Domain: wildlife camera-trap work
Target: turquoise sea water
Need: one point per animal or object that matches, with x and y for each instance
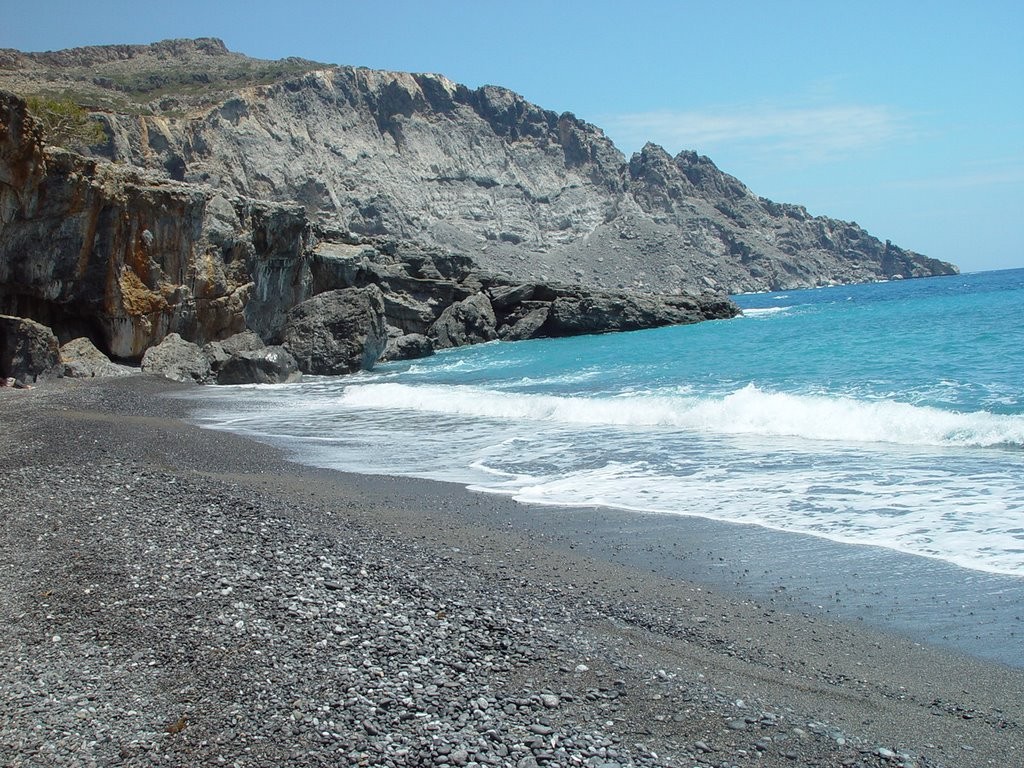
(889, 414)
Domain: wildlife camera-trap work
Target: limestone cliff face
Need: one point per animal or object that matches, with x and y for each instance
(125, 257)
(522, 191)
(732, 237)
(231, 190)
(414, 157)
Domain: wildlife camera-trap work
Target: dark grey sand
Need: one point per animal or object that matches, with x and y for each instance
(170, 596)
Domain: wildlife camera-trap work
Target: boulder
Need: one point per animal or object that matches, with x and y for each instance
(219, 352)
(177, 359)
(409, 313)
(269, 365)
(503, 296)
(526, 322)
(246, 341)
(409, 346)
(81, 360)
(28, 350)
(338, 331)
(470, 321)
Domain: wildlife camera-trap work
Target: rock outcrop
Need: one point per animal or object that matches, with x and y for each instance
(239, 359)
(523, 191)
(408, 346)
(268, 365)
(340, 331)
(177, 359)
(80, 359)
(733, 238)
(28, 350)
(220, 352)
(470, 321)
(124, 257)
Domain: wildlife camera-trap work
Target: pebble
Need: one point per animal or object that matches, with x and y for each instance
(267, 634)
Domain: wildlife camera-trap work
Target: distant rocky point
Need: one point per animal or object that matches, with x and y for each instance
(227, 193)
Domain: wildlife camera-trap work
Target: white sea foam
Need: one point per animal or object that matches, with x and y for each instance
(671, 454)
(761, 311)
(927, 512)
(746, 411)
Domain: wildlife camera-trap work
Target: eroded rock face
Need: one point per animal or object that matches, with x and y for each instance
(526, 193)
(28, 350)
(131, 259)
(336, 332)
(734, 239)
(129, 256)
(473, 214)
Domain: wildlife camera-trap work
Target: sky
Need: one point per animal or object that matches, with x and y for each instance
(904, 116)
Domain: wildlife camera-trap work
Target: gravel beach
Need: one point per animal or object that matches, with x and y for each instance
(180, 597)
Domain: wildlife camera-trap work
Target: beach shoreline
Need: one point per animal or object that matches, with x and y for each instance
(592, 637)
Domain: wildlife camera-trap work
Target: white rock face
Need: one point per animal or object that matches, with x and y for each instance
(523, 191)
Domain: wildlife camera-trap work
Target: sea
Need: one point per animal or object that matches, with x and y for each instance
(888, 415)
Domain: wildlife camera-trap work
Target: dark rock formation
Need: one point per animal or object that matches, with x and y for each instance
(409, 346)
(733, 238)
(239, 359)
(338, 331)
(470, 321)
(219, 352)
(124, 257)
(268, 365)
(597, 313)
(177, 359)
(528, 322)
(81, 360)
(28, 350)
(127, 258)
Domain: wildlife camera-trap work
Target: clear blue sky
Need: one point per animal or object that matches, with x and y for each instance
(905, 116)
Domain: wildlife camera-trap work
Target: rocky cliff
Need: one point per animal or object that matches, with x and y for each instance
(127, 257)
(230, 193)
(522, 191)
(124, 257)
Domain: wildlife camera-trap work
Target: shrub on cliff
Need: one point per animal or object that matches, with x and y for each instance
(65, 123)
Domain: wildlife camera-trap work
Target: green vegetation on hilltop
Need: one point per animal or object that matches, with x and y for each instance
(194, 82)
(143, 83)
